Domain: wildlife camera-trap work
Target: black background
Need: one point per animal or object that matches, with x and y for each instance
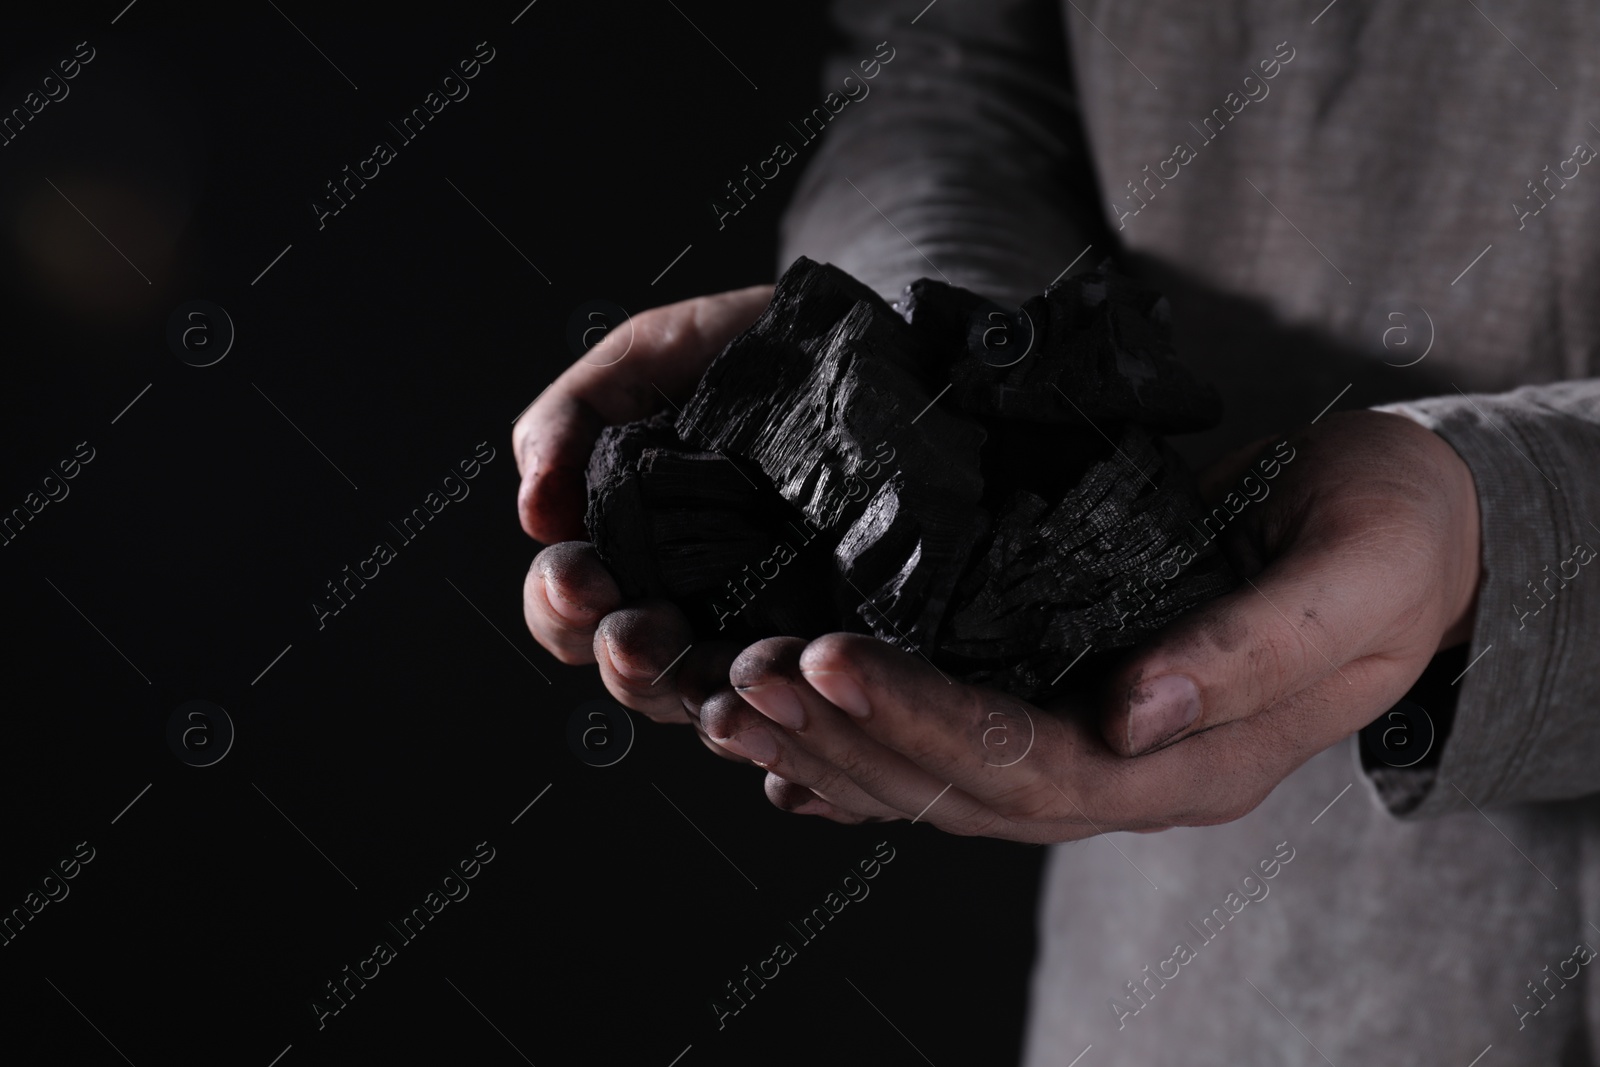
(405, 731)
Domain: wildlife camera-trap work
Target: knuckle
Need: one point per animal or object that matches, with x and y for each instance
(663, 328)
(1022, 803)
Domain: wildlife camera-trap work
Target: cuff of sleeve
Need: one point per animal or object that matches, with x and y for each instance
(1503, 696)
(1402, 784)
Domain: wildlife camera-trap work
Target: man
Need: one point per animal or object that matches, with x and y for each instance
(1365, 204)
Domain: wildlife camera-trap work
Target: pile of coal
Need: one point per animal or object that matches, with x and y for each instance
(981, 486)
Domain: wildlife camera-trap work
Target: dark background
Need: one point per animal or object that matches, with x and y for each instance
(379, 750)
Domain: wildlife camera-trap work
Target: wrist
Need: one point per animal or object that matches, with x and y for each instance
(1464, 536)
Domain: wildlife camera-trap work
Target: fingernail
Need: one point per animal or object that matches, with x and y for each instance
(778, 702)
(841, 691)
(624, 667)
(1159, 709)
(562, 606)
(755, 745)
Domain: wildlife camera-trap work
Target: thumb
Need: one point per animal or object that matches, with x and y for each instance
(662, 352)
(1300, 620)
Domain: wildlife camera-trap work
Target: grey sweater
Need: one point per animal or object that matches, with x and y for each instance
(1393, 198)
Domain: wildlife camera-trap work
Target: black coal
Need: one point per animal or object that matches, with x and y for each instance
(983, 487)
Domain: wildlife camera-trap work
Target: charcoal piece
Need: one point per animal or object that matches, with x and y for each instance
(836, 414)
(848, 465)
(901, 567)
(1093, 349)
(713, 532)
(1104, 560)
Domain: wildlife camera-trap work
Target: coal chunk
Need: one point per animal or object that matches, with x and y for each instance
(982, 486)
(1121, 366)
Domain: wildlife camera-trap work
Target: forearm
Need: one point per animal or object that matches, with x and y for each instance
(965, 160)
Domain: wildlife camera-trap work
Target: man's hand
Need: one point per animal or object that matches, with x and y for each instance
(572, 605)
(1361, 564)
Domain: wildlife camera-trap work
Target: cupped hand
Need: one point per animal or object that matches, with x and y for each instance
(1361, 561)
(570, 601)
